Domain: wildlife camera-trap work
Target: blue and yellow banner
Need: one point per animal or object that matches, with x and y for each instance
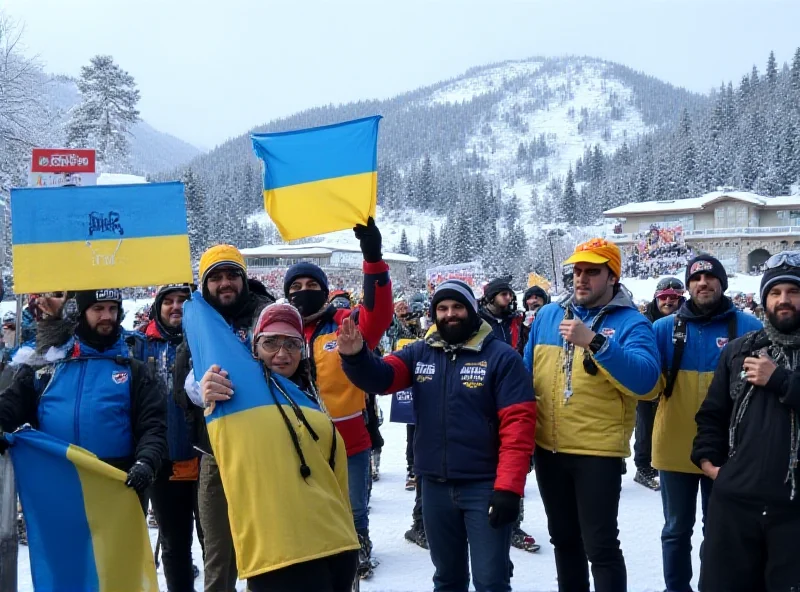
(321, 179)
(277, 517)
(104, 236)
(86, 529)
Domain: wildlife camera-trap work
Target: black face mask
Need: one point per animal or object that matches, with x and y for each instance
(456, 333)
(308, 302)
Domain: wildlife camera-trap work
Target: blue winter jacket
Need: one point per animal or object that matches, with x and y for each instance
(151, 345)
(474, 404)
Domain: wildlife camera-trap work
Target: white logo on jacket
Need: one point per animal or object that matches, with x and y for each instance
(424, 372)
(119, 377)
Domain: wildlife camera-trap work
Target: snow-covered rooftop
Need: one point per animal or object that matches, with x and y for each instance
(321, 249)
(698, 204)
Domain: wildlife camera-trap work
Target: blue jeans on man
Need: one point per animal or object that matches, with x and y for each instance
(679, 499)
(358, 482)
(456, 517)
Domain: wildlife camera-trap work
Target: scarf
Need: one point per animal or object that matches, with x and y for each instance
(784, 350)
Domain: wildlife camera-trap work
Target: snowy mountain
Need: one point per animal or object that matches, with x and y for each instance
(518, 125)
(151, 150)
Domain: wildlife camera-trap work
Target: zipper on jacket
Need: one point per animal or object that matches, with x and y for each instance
(450, 358)
(78, 397)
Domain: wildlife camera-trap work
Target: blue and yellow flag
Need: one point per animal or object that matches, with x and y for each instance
(109, 236)
(277, 517)
(321, 179)
(86, 529)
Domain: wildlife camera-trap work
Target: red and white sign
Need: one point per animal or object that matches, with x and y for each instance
(62, 160)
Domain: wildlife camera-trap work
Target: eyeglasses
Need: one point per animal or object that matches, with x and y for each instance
(272, 345)
(670, 284)
(786, 258)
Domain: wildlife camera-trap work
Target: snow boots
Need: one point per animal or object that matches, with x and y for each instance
(523, 541)
(411, 481)
(647, 478)
(416, 535)
(375, 464)
(366, 563)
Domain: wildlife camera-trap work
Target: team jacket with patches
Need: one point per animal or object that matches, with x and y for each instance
(506, 328)
(475, 408)
(598, 418)
(344, 400)
(148, 345)
(675, 427)
(104, 402)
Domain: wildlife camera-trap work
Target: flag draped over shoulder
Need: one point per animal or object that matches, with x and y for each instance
(86, 529)
(114, 236)
(321, 179)
(277, 518)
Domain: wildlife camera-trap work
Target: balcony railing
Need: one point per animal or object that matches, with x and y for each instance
(717, 232)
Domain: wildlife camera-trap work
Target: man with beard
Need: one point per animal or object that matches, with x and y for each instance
(667, 300)
(305, 285)
(498, 307)
(593, 357)
(97, 397)
(533, 299)
(748, 436)
(225, 286)
(689, 343)
(174, 492)
(476, 418)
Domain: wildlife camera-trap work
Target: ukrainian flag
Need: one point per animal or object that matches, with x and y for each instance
(115, 236)
(277, 517)
(86, 529)
(321, 179)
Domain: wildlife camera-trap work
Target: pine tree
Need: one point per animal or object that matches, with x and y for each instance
(795, 77)
(196, 219)
(772, 70)
(431, 250)
(569, 201)
(403, 247)
(419, 249)
(106, 113)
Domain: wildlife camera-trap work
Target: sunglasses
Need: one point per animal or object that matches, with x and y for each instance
(670, 284)
(668, 298)
(272, 345)
(786, 258)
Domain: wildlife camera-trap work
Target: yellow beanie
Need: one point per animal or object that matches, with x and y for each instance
(220, 255)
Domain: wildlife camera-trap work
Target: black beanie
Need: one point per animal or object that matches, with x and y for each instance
(86, 298)
(460, 292)
(535, 291)
(710, 265)
(778, 275)
(496, 286)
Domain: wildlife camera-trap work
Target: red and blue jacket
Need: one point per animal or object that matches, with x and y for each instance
(475, 407)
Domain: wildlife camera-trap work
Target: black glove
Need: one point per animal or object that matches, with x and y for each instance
(3, 443)
(140, 477)
(503, 508)
(370, 238)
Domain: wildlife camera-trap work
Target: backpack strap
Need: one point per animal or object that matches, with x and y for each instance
(679, 344)
(732, 327)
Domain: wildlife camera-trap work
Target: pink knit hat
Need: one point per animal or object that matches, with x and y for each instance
(278, 319)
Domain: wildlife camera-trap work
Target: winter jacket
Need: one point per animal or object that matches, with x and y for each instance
(242, 326)
(598, 418)
(475, 408)
(345, 401)
(102, 401)
(151, 347)
(506, 328)
(757, 472)
(674, 427)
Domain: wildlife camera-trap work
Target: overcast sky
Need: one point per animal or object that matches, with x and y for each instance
(211, 69)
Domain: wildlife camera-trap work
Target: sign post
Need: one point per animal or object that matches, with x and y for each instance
(55, 167)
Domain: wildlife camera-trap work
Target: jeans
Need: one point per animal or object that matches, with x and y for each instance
(581, 499)
(174, 505)
(220, 558)
(359, 480)
(679, 498)
(456, 523)
(643, 443)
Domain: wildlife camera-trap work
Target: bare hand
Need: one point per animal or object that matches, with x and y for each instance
(576, 332)
(709, 469)
(51, 306)
(350, 340)
(215, 385)
(758, 370)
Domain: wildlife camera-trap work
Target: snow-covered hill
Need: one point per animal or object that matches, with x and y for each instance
(151, 150)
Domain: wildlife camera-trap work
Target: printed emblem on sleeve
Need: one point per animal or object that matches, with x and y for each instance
(119, 377)
(424, 372)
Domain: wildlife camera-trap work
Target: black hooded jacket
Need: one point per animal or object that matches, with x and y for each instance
(757, 472)
(242, 323)
(525, 330)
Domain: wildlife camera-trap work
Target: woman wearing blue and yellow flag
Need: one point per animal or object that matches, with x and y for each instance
(287, 495)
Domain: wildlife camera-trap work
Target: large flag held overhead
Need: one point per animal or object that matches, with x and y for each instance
(104, 236)
(321, 179)
(86, 529)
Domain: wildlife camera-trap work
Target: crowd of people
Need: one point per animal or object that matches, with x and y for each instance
(659, 251)
(492, 393)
